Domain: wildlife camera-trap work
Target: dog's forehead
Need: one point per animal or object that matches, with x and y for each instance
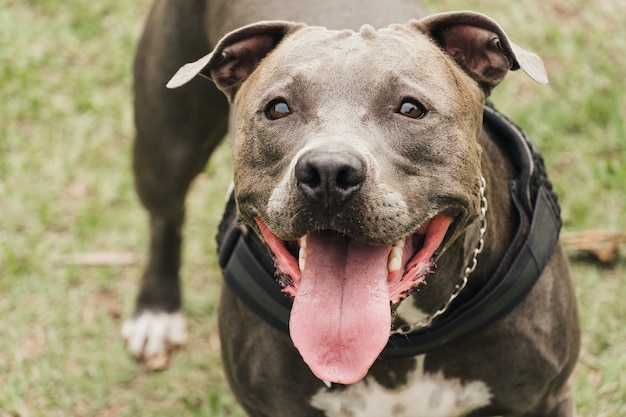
(357, 65)
(357, 61)
(316, 43)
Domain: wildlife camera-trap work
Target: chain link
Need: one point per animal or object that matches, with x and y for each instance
(425, 322)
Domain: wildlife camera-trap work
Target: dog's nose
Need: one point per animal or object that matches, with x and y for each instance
(329, 178)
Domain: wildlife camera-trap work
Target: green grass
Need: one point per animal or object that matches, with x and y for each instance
(66, 189)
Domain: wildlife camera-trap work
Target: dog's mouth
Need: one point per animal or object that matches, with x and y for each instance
(343, 289)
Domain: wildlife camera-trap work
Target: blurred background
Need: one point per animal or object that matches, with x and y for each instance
(73, 237)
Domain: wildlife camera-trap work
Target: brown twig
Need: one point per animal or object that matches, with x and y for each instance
(101, 259)
(600, 244)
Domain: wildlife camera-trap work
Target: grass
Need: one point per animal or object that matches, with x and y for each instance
(66, 189)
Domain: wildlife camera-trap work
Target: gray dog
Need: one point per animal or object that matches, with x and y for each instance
(391, 245)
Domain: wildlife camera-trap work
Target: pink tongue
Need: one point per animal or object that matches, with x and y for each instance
(341, 317)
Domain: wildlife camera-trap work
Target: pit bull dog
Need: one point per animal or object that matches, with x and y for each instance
(391, 245)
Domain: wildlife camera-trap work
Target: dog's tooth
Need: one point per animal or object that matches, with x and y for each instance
(395, 259)
(302, 257)
(399, 243)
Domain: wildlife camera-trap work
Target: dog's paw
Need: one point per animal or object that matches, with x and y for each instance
(152, 336)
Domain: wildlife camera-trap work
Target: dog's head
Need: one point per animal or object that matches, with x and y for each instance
(356, 158)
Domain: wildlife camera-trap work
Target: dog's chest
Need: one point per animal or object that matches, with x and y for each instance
(425, 394)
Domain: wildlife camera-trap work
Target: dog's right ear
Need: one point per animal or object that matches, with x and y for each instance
(236, 56)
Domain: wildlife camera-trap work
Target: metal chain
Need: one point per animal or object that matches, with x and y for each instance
(425, 322)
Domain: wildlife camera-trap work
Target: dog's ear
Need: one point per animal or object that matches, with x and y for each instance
(236, 56)
(480, 46)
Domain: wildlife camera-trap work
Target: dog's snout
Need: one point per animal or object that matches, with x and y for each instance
(329, 178)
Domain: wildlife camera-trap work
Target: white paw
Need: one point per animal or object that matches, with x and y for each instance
(152, 336)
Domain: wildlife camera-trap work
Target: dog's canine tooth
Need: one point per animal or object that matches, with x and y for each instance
(302, 258)
(395, 259)
(302, 253)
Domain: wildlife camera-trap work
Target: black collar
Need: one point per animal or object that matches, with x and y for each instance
(249, 270)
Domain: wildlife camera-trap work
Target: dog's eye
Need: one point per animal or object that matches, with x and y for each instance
(412, 109)
(277, 109)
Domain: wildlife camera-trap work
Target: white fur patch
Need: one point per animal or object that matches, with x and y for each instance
(409, 313)
(424, 395)
(151, 336)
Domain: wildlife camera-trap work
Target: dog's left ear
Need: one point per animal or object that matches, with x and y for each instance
(480, 46)
(236, 56)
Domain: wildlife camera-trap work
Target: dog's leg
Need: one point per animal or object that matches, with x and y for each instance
(177, 130)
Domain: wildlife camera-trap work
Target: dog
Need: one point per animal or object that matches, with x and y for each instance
(391, 244)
